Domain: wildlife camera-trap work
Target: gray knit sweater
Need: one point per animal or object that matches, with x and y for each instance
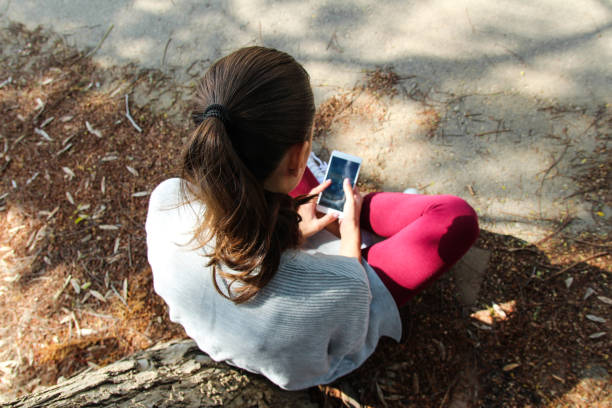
(319, 317)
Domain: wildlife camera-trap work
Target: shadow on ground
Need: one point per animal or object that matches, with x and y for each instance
(472, 43)
(527, 340)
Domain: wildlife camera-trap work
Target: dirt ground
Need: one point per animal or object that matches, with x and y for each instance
(76, 292)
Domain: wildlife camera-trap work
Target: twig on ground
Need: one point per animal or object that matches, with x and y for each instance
(193, 64)
(517, 249)
(594, 122)
(101, 316)
(97, 47)
(556, 162)
(528, 217)
(19, 139)
(40, 107)
(129, 248)
(567, 268)
(555, 232)
(493, 132)
(6, 82)
(381, 396)
(127, 114)
(76, 323)
(59, 292)
(448, 390)
(65, 149)
(333, 43)
(470, 21)
(514, 54)
(580, 241)
(552, 166)
(337, 393)
(7, 162)
(584, 191)
(118, 295)
(471, 190)
(163, 61)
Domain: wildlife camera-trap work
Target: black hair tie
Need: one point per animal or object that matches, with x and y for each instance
(214, 110)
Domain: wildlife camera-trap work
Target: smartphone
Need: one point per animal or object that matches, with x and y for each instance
(341, 166)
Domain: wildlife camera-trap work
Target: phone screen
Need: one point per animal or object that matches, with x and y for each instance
(339, 169)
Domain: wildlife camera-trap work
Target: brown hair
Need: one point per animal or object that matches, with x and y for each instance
(269, 106)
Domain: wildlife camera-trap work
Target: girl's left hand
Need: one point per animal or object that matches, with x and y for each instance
(311, 224)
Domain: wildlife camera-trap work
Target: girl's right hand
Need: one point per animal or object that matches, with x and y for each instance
(350, 234)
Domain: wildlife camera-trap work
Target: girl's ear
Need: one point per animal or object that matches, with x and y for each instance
(297, 157)
(306, 147)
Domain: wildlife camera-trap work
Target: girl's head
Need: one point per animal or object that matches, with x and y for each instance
(242, 161)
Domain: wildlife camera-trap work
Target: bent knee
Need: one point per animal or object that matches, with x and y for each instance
(462, 231)
(461, 215)
(457, 206)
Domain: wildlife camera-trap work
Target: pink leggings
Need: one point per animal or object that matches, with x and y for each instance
(424, 236)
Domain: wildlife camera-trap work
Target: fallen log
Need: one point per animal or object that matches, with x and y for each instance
(173, 374)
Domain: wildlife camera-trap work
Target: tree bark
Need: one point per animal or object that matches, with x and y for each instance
(173, 374)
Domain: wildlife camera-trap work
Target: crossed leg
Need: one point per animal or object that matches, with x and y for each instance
(424, 236)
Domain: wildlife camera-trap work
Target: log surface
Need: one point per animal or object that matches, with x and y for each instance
(173, 374)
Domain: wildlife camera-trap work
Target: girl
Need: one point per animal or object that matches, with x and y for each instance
(245, 263)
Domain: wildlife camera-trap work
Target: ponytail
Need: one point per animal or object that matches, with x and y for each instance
(263, 106)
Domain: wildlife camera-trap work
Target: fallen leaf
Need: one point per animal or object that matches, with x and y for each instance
(75, 285)
(97, 295)
(498, 312)
(588, 293)
(132, 170)
(596, 319)
(141, 194)
(108, 227)
(604, 299)
(511, 366)
(69, 172)
(92, 130)
(86, 332)
(43, 134)
(483, 316)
